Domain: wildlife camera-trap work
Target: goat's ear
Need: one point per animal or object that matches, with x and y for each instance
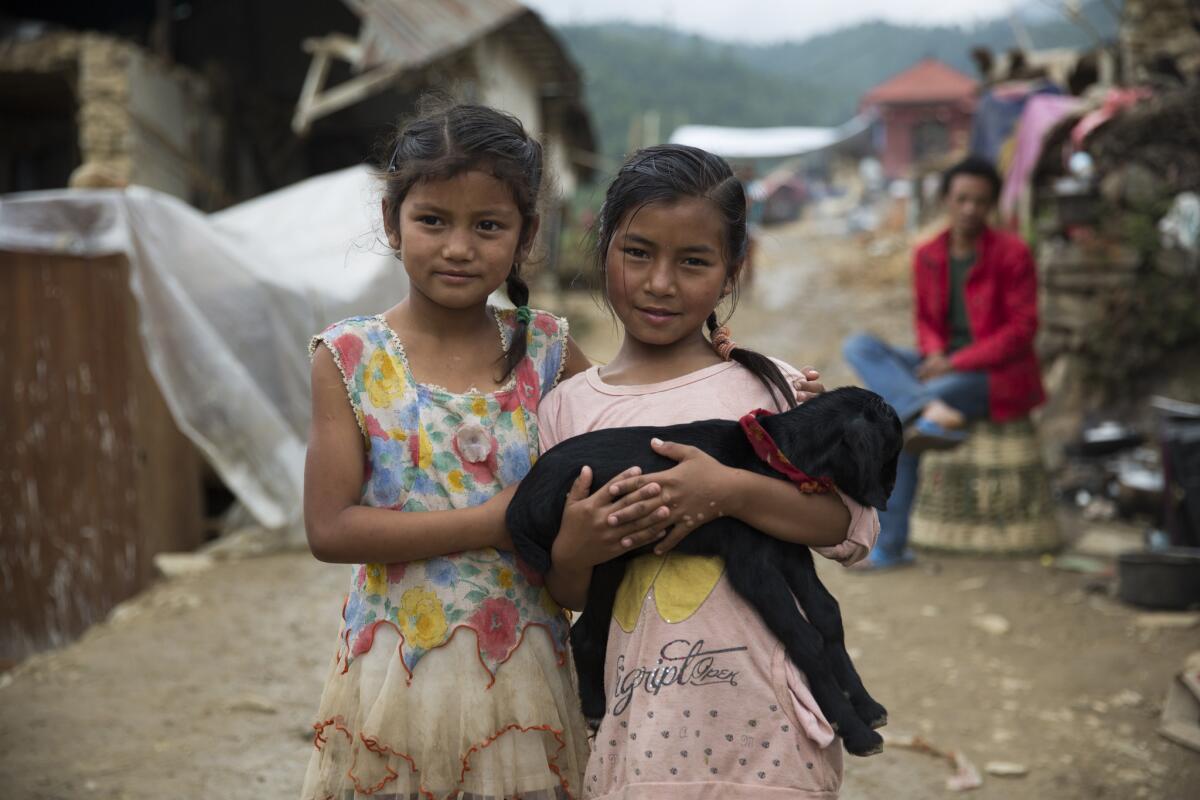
(878, 496)
(864, 450)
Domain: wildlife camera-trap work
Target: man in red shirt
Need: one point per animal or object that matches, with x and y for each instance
(976, 316)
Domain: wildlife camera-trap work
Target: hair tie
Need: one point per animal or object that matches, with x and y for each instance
(723, 342)
(524, 314)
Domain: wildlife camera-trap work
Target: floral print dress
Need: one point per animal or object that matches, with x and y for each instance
(451, 673)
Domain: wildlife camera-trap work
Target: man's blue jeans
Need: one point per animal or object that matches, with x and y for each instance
(891, 373)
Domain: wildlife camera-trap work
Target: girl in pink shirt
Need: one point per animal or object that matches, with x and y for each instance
(701, 700)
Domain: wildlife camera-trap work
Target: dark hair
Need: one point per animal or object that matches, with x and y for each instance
(973, 165)
(668, 173)
(445, 140)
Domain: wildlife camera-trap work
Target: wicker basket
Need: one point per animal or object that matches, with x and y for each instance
(989, 495)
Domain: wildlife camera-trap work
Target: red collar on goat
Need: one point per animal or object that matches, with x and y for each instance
(766, 449)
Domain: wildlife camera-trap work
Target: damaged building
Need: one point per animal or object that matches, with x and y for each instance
(218, 102)
(212, 104)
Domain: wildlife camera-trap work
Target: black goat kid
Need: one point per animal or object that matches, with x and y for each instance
(849, 435)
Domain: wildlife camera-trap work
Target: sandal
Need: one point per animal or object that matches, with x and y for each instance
(925, 435)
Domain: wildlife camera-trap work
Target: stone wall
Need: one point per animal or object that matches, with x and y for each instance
(139, 120)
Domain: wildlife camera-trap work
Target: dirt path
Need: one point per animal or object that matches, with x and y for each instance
(204, 686)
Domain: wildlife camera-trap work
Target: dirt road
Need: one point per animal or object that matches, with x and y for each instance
(204, 686)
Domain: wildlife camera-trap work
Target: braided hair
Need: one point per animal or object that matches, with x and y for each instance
(668, 173)
(445, 140)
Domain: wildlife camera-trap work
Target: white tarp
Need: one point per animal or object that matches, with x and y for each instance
(766, 142)
(753, 142)
(228, 302)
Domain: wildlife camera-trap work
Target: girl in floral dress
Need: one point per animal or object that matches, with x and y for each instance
(450, 676)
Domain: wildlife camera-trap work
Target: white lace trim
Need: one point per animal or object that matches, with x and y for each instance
(346, 381)
(471, 391)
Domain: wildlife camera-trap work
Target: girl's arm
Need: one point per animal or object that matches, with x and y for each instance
(700, 488)
(339, 529)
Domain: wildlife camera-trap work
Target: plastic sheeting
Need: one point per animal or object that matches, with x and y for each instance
(228, 302)
(767, 142)
(754, 142)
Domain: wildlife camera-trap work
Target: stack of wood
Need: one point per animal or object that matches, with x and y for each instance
(1160, 136)
(1110, 289)
(1119, 316)
(1076, 284)
(1160, 39)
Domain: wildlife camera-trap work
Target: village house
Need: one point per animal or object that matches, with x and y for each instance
(923, 113)
(220, 101)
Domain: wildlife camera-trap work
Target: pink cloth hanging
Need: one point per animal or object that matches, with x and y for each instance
(1041, 113)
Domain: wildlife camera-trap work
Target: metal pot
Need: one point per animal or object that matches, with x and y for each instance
(1166, 579)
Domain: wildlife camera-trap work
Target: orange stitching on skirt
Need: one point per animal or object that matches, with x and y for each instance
(378, 748)
(374, 747)
(320, 727)
(558, 737)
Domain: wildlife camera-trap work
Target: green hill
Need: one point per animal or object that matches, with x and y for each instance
(692, 79)
(687, 79)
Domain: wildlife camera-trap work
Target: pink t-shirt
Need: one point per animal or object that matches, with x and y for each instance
(702, 699)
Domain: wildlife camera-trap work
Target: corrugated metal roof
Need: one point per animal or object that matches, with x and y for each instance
(412, 33)
(404, 35)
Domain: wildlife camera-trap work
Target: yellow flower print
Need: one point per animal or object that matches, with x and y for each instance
(425, 449)
(382, 382)
(421, 618)
(455, 477)
(519, 421)
(377, 582)
(505, 578)
(398, 434)
(479, 406)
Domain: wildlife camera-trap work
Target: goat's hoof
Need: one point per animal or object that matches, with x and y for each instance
(868, 743)
(871, 713)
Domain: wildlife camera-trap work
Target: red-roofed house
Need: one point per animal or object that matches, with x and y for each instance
(924, 112)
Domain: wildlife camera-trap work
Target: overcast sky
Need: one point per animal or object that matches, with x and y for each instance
(769, 20)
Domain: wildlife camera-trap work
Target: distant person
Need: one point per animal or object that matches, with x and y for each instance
(976, 316)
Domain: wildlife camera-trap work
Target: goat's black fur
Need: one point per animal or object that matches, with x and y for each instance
(850, 435)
